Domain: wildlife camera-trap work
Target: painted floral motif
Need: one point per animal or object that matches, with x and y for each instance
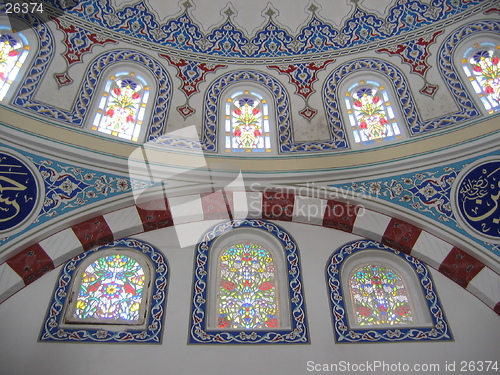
(486, 69)
(427, 192)
(247, 288)
(379, 296)
(68, 187)
(111, 288)
(317, 36)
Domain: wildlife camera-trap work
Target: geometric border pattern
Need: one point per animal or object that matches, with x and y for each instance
(151, 334)
(317, 38)
(199, 334)
(345, 334)
(457, 264)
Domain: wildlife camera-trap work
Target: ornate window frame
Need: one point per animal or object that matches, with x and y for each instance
(57, 327)
(431, 324)
(203, 328)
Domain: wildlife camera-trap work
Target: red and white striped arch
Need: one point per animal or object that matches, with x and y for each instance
(30, 264)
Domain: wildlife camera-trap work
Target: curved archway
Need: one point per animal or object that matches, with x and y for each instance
(453, 262)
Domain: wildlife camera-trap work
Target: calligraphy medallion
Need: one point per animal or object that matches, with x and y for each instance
(476, 195)
(21, 192)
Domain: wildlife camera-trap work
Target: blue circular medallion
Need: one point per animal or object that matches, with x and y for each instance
(477, 200)
(19, 192)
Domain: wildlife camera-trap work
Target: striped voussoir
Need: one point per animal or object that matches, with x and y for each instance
(456, 264)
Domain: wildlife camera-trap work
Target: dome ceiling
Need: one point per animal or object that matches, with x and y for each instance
(261, 30)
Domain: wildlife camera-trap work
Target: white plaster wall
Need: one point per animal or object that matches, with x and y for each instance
(474, 326)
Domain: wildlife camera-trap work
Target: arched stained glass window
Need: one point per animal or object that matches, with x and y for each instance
(370, 112)
(379, 296)
(482, 65)
(122, 106)
(247, 286)
(248, 290)
(114, 293)
(111, 289)
(247, 123)
(13, 52)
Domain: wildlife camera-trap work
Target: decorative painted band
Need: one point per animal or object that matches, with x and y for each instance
(31, 263)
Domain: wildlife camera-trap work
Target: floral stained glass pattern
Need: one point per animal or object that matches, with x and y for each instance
(111, 288)
(370, 113)
(247, 288)
(483, 69)
(122, 106)
(379, 296)
(247, 123)
(13, 52)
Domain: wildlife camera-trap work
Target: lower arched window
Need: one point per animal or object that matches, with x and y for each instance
(247, 286)
(111, 287)
(115, 293)
(380, 294)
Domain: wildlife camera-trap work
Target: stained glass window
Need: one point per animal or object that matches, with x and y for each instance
(379, 296)
(13, 52)
(371, 114)
(482, 65)
(247, 123)
(111, 289)
(247, 295)
(122, 106)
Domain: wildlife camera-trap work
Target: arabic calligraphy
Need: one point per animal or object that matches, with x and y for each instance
(18, 191)
(478, 196)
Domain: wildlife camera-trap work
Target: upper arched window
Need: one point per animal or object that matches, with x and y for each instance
(371, 115)
(247, 287)
(122, 106)
(481, 64)
(112, 294)
(247, 126)
(14, 50)
(379, 294)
